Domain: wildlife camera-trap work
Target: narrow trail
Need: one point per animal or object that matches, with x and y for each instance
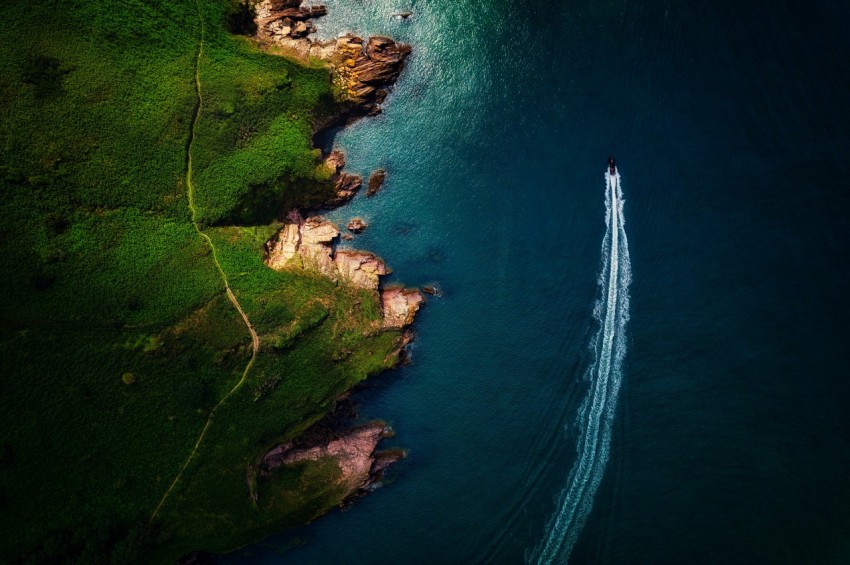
(255, 339)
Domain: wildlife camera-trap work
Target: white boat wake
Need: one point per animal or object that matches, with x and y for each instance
(596, 415)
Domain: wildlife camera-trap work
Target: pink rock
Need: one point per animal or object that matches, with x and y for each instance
(400, 306)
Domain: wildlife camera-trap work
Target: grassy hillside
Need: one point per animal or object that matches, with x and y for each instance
(117, 337)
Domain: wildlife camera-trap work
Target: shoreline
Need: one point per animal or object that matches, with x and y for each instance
(363, 70)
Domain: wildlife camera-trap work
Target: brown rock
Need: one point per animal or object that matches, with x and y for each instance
(335, 161)
(376, 180)
(380, 63)
(357, 225)
(361, 268)
(345, 186)
(300, 30)
(400, 306)
(318, 11)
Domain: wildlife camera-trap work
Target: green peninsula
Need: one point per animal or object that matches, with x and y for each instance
(150, 356)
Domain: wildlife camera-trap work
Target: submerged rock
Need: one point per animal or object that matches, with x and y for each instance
(432, 289)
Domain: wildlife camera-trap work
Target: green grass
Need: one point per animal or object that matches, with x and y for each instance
(252, 155)
(105, 275)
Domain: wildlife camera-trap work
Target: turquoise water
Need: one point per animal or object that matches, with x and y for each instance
(718, 431)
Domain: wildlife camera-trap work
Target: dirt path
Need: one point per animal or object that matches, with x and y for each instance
(255, 339)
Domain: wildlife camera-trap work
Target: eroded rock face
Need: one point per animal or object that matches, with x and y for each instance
(335, 161)
(283, 247)
(346, 186)
(305, 243)
(361, 268)
(400, 306)
(316, 249)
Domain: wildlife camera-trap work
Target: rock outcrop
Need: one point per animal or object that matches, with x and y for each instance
(354, 451)
(363, 71)
(376, 181)
(400, 306)
(361, 268)
(345, 185)
(308, 244)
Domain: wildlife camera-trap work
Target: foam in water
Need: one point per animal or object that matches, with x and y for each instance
(596, 415)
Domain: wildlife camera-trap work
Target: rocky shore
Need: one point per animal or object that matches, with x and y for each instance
(364, 71)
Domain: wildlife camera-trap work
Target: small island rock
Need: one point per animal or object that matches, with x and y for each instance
(376, 180)
(357, 225)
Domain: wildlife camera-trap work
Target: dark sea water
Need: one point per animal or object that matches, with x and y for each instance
(730, 413)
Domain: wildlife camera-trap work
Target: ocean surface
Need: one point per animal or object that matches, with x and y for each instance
(651, 372)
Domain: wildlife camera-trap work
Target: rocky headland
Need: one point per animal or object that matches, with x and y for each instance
(363, 72)
(355, 451)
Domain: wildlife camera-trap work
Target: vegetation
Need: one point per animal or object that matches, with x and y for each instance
(117, 337)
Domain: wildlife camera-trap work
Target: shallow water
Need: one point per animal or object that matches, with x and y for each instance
(729, 434)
